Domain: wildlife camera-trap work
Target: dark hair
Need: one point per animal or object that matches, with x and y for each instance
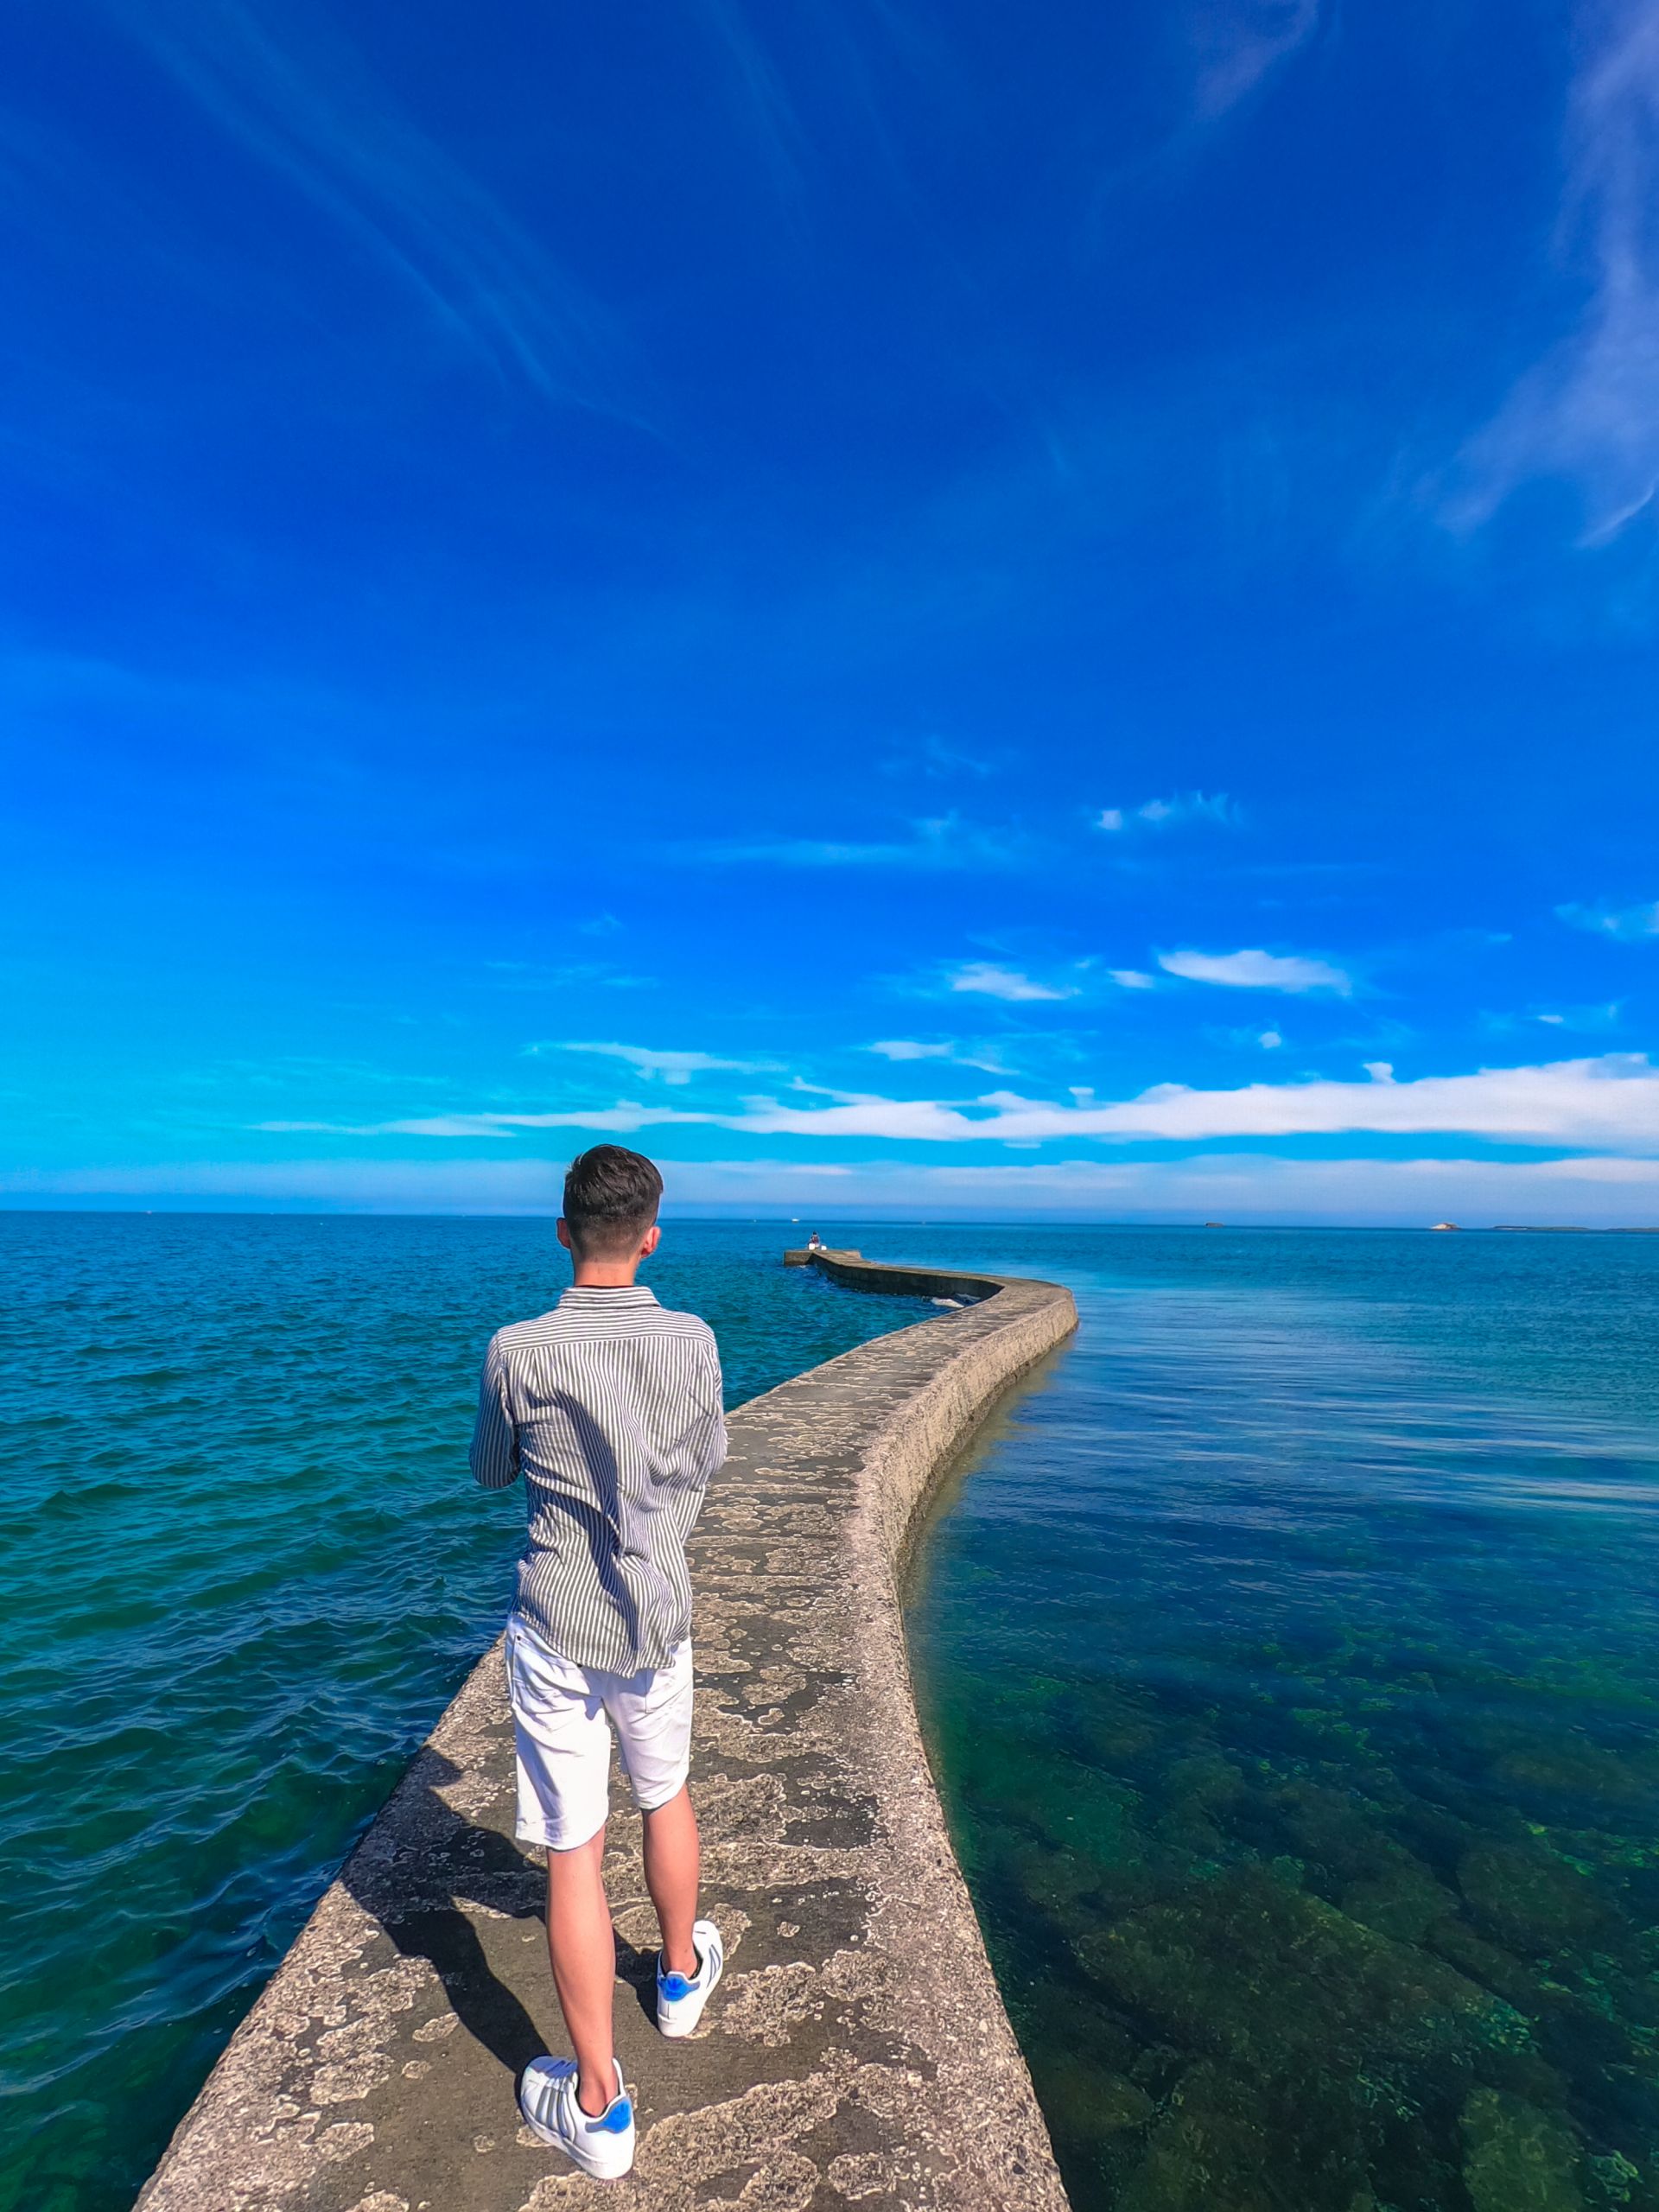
(610, 1198)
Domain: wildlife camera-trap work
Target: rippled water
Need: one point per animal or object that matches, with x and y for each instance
(241, 1567)
(1289, 1654)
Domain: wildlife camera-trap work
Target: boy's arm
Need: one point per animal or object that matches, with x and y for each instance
(706, 1442)
(495, 1438)
(703, 1443)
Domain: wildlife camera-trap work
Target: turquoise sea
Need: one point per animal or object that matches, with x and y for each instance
(1287, 1653)
(242, 1569)
(1290, 1653)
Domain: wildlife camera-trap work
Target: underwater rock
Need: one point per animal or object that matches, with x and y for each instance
(1517, 2158)
(1218, 2148)
(1536, 1903)
(1510, 1978)
(1339, 1834)
(1403, 1903)
(1087, 2106)
(1570, 1771)
(1112, 1728)
(1059, 2017)
(1247, 1968)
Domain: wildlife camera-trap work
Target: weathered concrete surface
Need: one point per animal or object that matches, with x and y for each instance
(857, 2053)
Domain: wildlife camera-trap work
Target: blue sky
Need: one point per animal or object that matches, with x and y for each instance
(916, 607)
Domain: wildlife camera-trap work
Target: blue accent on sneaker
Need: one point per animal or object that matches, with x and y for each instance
(616, 2120)
(674, 1987)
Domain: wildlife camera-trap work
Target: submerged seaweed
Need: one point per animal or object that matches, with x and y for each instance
(1302, 1746)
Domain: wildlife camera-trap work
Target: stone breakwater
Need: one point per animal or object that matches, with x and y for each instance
(858, 2052)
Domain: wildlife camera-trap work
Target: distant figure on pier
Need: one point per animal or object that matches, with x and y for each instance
(816, 1243)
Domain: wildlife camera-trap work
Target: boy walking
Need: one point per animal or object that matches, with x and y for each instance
(611, 1409)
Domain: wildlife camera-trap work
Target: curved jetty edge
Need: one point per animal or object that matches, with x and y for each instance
(858, 2052)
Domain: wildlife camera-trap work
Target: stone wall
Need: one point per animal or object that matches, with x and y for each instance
(858, 2052)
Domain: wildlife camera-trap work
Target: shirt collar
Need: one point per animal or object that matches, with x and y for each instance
(591, 1294)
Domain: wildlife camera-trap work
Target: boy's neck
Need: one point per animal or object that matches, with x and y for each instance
(604, 1274)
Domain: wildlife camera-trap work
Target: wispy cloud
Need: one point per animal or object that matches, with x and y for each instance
(1236, 1186)
(1235, 44)
(1133, 979)
(1584, 1020)
(760, 100)
(622, 1118)
(947, 1049)
(668, 1066)
(989, 979)
(296, 98)
(429, 1185)
(534, 975)
(938, 760)
(943, 842)
(1629, 923)
(1170, 813)
(1613, 1102)
(1609, 1104)
(1586, 414)
(1255, 970)
(1266, 1040)
(423, 1125)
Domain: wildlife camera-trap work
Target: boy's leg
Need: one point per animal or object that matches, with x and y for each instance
(582, 1950)
(671, 1872)
(651, 1714)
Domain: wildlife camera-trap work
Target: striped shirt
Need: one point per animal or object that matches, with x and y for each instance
(610, 1407)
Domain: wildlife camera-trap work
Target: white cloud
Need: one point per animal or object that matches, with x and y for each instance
(957, 1054)
(934, 758)
(1251, 1187)
(944, 842)
(622, 1118)
(1270, 1040)
(670, 1067)
(531, 975)
(1167, 813)
(1610, 1103)
(521, 1185)
(1219, 1185)
(1133, 979)
(1255, 970)
(1629, 923)
(426, 1125)
(1586, 414)
(993, 982)
(1588, 1020)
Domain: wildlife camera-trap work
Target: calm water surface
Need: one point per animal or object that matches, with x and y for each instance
(241, 1567)
(1289, 1655)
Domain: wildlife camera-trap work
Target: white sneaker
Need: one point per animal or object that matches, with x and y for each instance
(681, 1998)
(547, 2098)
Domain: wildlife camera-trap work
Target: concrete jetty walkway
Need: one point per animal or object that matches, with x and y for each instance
(857, 2053)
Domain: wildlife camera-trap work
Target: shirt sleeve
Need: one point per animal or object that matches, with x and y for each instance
(703, 1444)
(495, 1439)
(706, 1445)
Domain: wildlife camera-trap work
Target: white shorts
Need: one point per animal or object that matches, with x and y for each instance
(564, 1737)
